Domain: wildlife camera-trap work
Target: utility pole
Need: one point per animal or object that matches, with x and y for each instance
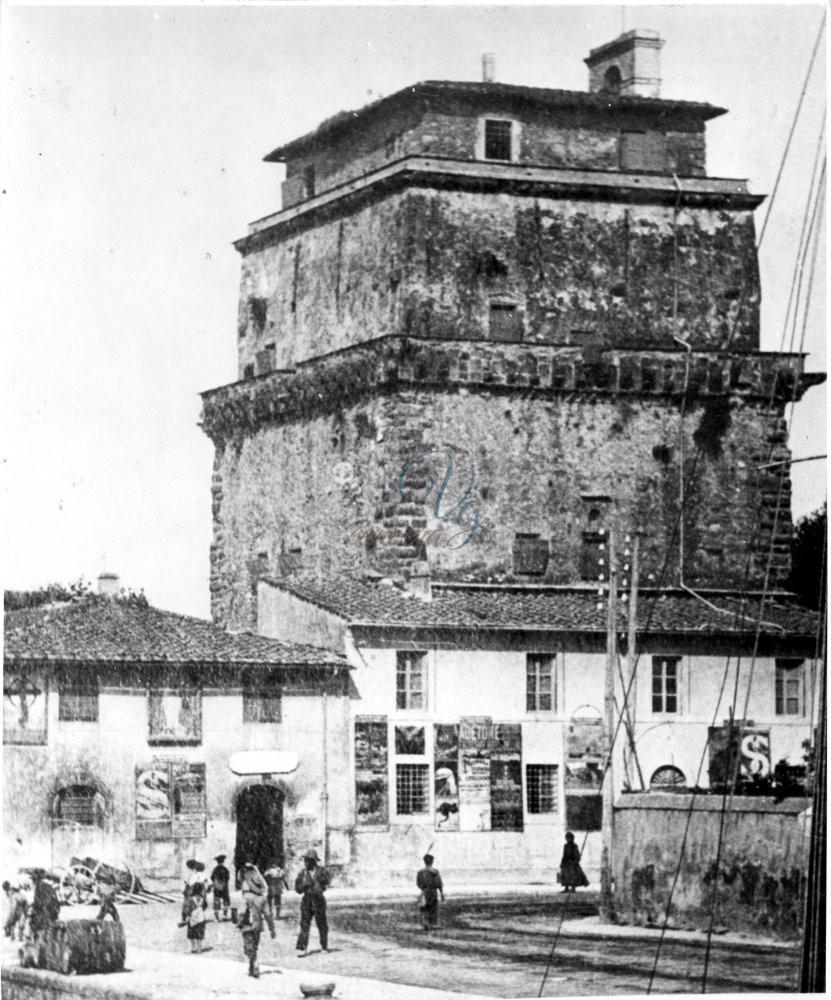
(606, 902)
(632, 654)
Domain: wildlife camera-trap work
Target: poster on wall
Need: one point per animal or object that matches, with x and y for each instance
(506, 776)
(153, 807)
(446, 759)
(475, 776)
(188, 797)
(746, 748)
(371, 772)
(584, 773)
(24, 707)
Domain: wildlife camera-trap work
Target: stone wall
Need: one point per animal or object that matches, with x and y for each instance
(755, 886)
(432, 263)
(449, 126)
(304, 458)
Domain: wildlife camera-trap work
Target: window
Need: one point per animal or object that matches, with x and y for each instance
(542, 781)
(505, 322)
(497, 139)
(24, 706)
(261, 698)
(78, 699)
(78, 805)
(175, 716)
(541, 683)
(643, 151)
(530, 554)
(411, 789)
(612, 81)
(789, 675)
(665, 684)
(309, 180)
(668, 779)
(410, 685)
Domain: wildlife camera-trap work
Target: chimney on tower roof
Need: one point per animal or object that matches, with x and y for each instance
(489, 67)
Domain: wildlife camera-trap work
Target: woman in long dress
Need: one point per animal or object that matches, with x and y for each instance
(429, 881)
(571, 874)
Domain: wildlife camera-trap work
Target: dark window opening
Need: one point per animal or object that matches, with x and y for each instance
(593, 562)
(248, 371)
(530, 555)
(309, 180)
(79, 805)
(78, 700)
(261, 698)
(266, 359)
(258, 311)
(612, 81)
(497, 139)
(505, 322)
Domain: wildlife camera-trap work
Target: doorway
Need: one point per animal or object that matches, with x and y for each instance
(259, 827)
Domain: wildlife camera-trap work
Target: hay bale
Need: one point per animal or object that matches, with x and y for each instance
(84, 946)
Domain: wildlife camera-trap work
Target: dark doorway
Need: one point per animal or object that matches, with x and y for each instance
(259, 827)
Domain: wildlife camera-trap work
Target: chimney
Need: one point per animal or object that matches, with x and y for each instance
(629, 65)
(489, 67)
(108, 584)
(419, 583)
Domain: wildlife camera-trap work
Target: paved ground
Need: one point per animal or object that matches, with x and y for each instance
(497, 946)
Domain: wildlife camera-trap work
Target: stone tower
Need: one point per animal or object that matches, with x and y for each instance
(543, 286)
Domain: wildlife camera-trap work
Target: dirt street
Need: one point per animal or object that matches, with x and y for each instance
(497, 946)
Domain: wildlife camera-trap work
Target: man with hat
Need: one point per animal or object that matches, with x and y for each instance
(220, 884)
(254, 891)
(311, 884)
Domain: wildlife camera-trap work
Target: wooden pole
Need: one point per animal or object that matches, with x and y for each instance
(632, 653)
(606, 902)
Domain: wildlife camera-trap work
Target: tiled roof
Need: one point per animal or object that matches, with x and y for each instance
(566, 609)
(530, 95)
(98, 629)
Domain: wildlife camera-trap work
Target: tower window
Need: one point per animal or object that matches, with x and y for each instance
(498, 139)
(505, 322)
(612, 81)
(309, 180)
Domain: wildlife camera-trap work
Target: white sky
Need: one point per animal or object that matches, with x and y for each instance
(132, 147)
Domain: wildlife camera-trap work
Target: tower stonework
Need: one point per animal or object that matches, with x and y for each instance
(543, 285)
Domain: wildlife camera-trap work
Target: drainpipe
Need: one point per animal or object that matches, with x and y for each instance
(324, 791)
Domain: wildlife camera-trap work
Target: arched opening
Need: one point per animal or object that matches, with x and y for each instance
(612, 81)
(259, 811)
(668, 779)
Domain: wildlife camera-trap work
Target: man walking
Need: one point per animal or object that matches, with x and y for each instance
(254, 895)
(220, 881)
(311, 884)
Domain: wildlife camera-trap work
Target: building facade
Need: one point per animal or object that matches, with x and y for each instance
(492, 328)
(119, 725)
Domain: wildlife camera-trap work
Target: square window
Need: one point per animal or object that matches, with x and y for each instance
(411, 789)
(543, 781)
(665, 673)
(78, 702)
(788, 687)
(505, 322)
(410, 681)
(540, 683)
(261, 698)
(497, 139)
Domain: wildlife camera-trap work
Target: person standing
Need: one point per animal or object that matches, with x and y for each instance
(571, 874)
(107, 893)
(254, 895)
(44, 911)
(220, 885)
(251, 925)
(196, 906)
(192, 877)
(275, 879)
(430, 883)
(311, 884)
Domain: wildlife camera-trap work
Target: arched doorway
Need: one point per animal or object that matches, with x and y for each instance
(259, 826)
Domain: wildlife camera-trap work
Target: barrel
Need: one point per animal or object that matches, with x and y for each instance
(84, 946)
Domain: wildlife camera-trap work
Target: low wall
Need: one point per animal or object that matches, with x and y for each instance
(755, 887)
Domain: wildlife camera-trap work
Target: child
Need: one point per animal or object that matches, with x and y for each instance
(196, 905)
(220, 880)
(275, 879)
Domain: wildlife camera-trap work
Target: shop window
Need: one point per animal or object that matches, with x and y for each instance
(540, 683)
(665, 677)
(498, 135)
(410, 681)
(175, 716)
(261, 698)
(789, 687)
(78, 699)
(542, 783)
(78, 805)
(412, 789)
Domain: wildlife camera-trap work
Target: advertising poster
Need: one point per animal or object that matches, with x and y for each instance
(475, 777)
(447, 777)
(506, 776)
(153, 806)
(371, 774)
(188, 796)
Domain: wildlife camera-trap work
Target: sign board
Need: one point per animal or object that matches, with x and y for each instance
(371, 777)
(447, 777)
(244, 762)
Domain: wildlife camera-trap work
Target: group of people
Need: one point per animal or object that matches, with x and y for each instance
(262, 894)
